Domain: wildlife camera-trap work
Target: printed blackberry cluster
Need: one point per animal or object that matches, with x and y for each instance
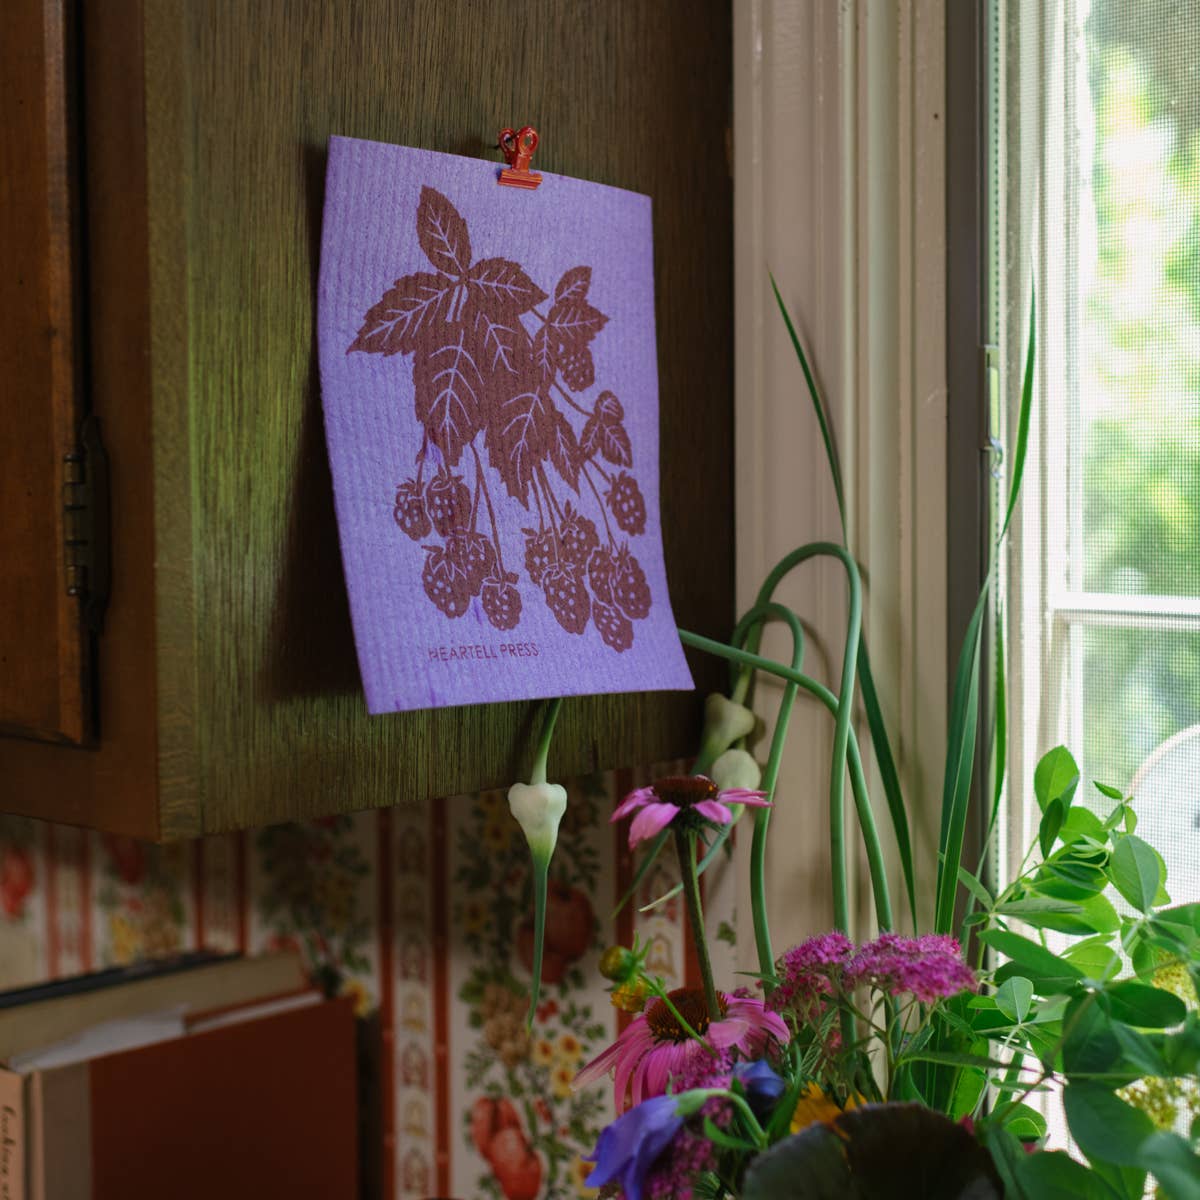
(501, 370)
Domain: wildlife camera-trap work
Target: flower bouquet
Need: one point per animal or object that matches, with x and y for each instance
(897, 1065)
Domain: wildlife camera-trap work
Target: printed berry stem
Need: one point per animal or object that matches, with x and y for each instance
(603, 512)
(475, 498)
(421, 458)
(577, 407)
(603, 473)
(491, 514)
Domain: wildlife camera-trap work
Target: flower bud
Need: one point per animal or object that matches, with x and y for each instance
(630, 997)
(736, 769)
(724, 722)
(617, 963)
(538, 807)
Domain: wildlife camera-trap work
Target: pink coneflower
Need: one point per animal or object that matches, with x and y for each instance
(681, 796)
(655, 1048)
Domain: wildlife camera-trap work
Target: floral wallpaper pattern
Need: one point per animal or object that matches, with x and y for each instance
(423, 913)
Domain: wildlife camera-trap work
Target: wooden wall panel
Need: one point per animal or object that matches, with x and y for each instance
(260, 715)
(42, 644)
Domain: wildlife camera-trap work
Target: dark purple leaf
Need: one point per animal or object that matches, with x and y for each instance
(449, 394)
(562, 448)
(609, 439)
(406, 315)
(443, 233)
(516, 440)
(575, 322)
(545, 356)
(503, 347)
(574, 284)
(502, 286)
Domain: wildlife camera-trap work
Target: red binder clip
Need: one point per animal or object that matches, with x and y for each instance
(518, 146)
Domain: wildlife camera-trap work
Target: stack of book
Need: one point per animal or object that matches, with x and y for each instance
(200, 1077)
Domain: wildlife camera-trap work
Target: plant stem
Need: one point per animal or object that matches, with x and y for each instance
(542, 753)
(685, 850)
(541, 873)
(883, 910)
(657, 990)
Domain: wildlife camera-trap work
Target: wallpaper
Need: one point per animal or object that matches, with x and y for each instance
(423, 914)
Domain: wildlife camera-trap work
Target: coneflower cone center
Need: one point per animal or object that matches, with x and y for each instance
(690, 1002)
(685, 790)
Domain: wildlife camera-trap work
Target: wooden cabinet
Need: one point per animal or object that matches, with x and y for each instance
(224, 686)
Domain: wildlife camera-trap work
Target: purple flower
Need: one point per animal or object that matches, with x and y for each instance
(693, 796)
(929, 968)
(628, 1147)
(809, 973)
(761, 1085)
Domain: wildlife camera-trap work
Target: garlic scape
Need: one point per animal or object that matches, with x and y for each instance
(538, 807)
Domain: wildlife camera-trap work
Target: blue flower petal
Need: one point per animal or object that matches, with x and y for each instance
(628, 1147)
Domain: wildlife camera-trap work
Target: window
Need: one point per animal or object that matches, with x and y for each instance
(1095, 166)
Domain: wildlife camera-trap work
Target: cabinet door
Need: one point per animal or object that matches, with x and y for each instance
(42, 650)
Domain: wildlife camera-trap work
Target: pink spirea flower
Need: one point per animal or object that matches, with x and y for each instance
(655, 1050)
(929, 968)
(688, 796)
(808, 973)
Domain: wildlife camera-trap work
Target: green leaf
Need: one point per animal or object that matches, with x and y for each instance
(1095, 958)
(973, 885)
(960, 765)
(1093, 915)
(1139, 1052)
(1025, 1123)
(1013, 998)
(1172, 1162)
(1082, 823)
(1090, 1047)
(1135, 871)
(727, 1141)
(1128, 1183)
(1055, 778)
(1023, 415)
(1044, 969)
(1050, 824)
(1055, 1175)
(809, 1163)
(1105, 1126)
(951, 1058)
(1107, 789)
(1144, 1006)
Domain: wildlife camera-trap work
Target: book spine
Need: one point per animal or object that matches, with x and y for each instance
(12, 1136)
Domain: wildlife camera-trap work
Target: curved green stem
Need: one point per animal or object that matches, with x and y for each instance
(841, 733)
(685, 850)
(883, 909)
(542, 754)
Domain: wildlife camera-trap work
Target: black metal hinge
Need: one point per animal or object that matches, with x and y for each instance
(86, 524)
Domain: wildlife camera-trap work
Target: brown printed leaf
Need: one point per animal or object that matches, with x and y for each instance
(575, 322)
(609, 439)
(578, 369)
(562, 447)
(573, 285)
(449, 395)
(443, 233)
(545, 356)
(502, 286)
(503, 343)
(516, 440)
(402, 318)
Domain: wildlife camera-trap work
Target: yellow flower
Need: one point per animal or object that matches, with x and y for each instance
(814, 1105)
(497, 835)
(578, 1172)
(493, 804)
(570, 1049)
(363, 1002)
(475, 916)
(560, 1080)
(543, 1052)
(126, 939)
(629, 997)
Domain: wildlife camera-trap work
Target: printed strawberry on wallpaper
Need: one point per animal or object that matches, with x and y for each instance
(488, 362)
(570, 927)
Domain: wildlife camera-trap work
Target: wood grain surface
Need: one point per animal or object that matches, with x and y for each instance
(259, 711)
(42, 645)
